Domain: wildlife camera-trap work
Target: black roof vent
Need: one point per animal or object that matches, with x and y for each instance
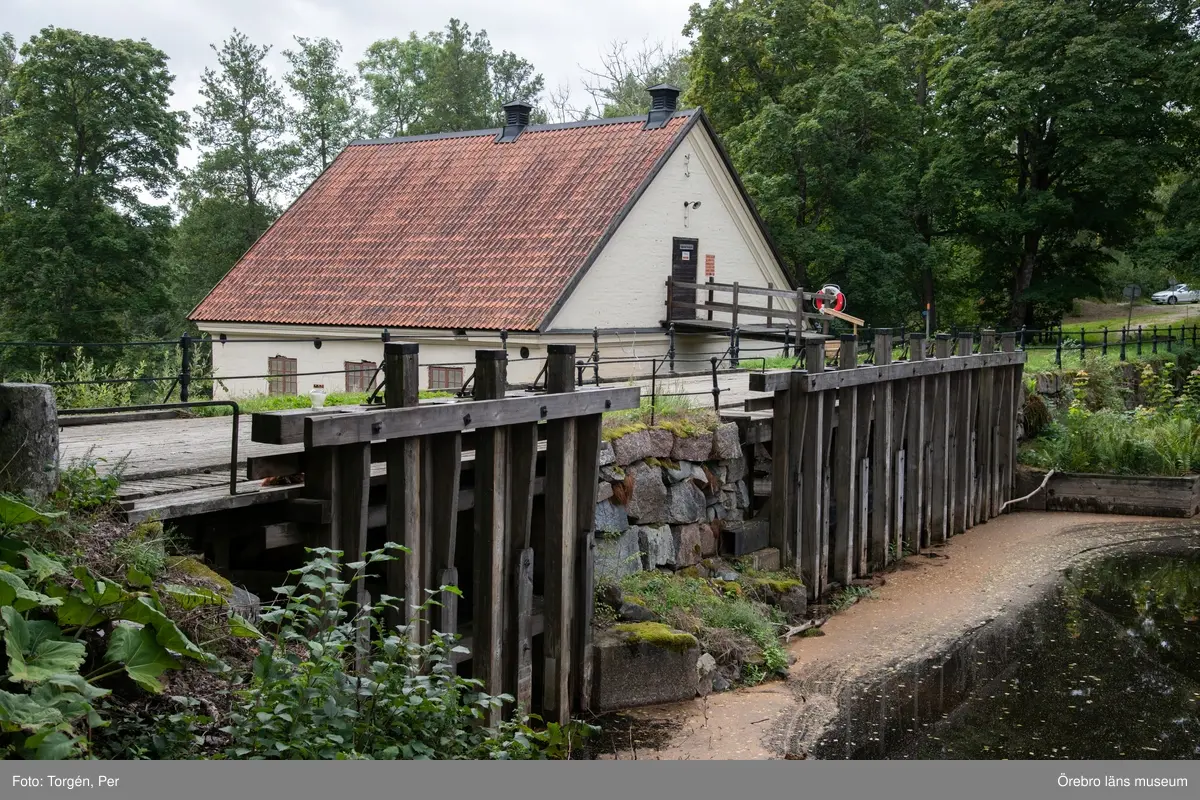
(664, 100)
(516, 117)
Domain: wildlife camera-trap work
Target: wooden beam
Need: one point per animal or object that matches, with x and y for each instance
(366, 426)
(351, 488)
(561, 526)
(491, 531)
(964, 427)
(287, 426)
(862, 451)
(845, 470)
(938, 468)
(775, 380)
(442, 473)
(882, 459)
(812, 478)
(783, 479)
(587, 464)
(914, 447)
(826, 311)
(405, 574)
(518, 654)
(985, 431)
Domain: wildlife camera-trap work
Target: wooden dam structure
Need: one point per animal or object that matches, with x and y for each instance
(496, 493)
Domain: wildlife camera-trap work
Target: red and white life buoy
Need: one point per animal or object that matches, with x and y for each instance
(839, 302)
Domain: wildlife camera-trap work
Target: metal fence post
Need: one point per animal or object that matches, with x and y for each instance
(1082, 342)
(653, 388)
(596, 356)
(1124, 338)
(671, 345)
(737, 345)
(716, 390)
(1022, 339)
(504, 339)
(1104, 342)
(1058, 349)
(1154, 339)
(1139, 340)
(185, 367)
(787, 341)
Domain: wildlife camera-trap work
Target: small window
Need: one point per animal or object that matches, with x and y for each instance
(360, 376)
(282, 372)
(445, 378)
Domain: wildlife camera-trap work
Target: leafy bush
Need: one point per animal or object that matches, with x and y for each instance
(66, 631)
(82, 487)
(307, 700)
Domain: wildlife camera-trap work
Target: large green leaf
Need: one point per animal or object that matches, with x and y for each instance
(16, 593)
(242, 629)
(144, 658)
(145, 611)
(14, 512)
(52, 745)
(189, 597)
(76, 609)
(25, 712)
(99, 591)
(36, 649)
(42, 566)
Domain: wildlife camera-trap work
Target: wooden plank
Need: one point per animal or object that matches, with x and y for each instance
(351, 490)
(963, 411)
(914, 450)
(786, 497)
(728, 308)
(405, 574)
(587, 460)
(491, 532)
(428, 419)
(518, 653)
(882, 459)
(287, 426)
(845, 471)
(282, 534)
(985, 430)
(782, 479)
(812, 478)
(773, 380)
(561, 525)
(442, 464)
(938, 467)
(523, 685)
(1008, 421)
(784, 294)
(866, 410)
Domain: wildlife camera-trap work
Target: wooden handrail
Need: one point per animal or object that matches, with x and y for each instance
(786, 294)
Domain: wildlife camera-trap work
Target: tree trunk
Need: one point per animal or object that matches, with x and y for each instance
(1022, 310)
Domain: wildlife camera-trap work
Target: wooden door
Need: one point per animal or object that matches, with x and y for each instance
(684, 255)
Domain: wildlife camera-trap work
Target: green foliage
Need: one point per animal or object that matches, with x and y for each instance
(849, 595)
(307, 702)
(326, 119)
(83, 487)
(87, 136)
(618, 88)
(449, 80)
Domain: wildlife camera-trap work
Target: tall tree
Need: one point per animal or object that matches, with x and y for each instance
(1059, 119)
(8, 66)
(241, 129)
(449, 80)
(327, 118)
(91, 136)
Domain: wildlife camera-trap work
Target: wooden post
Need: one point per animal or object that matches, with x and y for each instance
(351, 487)
(783, 479)
(405, 575)
(862, 451)
(561, 532)
(799, 318)
(518, 654)
(1010, 387)
(845, 470)
(938, 466)
(985, 430)
(914, 450)
(969, 402)
(812, 477)
(587, 463)
(735, 305)
(960, 436)
(770, 303)
(442, 458)
(882, 457)
(492, 547)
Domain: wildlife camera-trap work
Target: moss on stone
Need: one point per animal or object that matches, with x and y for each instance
(150, 529)
(619, 430)
(730, 588)
(656, 634)
(779, 585)
(196, 569)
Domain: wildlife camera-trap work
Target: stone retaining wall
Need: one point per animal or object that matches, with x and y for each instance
(663, 498)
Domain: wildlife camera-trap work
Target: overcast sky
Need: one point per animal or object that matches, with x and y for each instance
(556, 35)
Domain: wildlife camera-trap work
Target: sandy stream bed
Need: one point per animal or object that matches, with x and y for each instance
(926, 603)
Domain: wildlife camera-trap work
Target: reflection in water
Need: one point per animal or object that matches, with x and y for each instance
(1106, 666)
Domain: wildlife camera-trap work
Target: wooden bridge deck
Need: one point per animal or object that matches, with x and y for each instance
(180, 467)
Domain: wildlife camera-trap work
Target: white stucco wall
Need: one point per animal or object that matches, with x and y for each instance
(626, 285)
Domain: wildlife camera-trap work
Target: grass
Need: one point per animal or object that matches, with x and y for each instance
(668, 412)
(285, 402)
(736, 630)
(848, 596)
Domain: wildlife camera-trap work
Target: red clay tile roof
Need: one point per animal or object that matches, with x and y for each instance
(443, 232)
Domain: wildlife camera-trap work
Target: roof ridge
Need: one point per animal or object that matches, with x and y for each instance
(554, 126)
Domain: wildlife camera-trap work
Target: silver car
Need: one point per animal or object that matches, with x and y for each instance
(1179, 293)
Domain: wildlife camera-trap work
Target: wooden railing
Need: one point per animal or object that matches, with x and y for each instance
(422, 446)
(923, 449)
(769, 314)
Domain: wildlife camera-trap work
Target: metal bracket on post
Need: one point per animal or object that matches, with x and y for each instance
(185, 367)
